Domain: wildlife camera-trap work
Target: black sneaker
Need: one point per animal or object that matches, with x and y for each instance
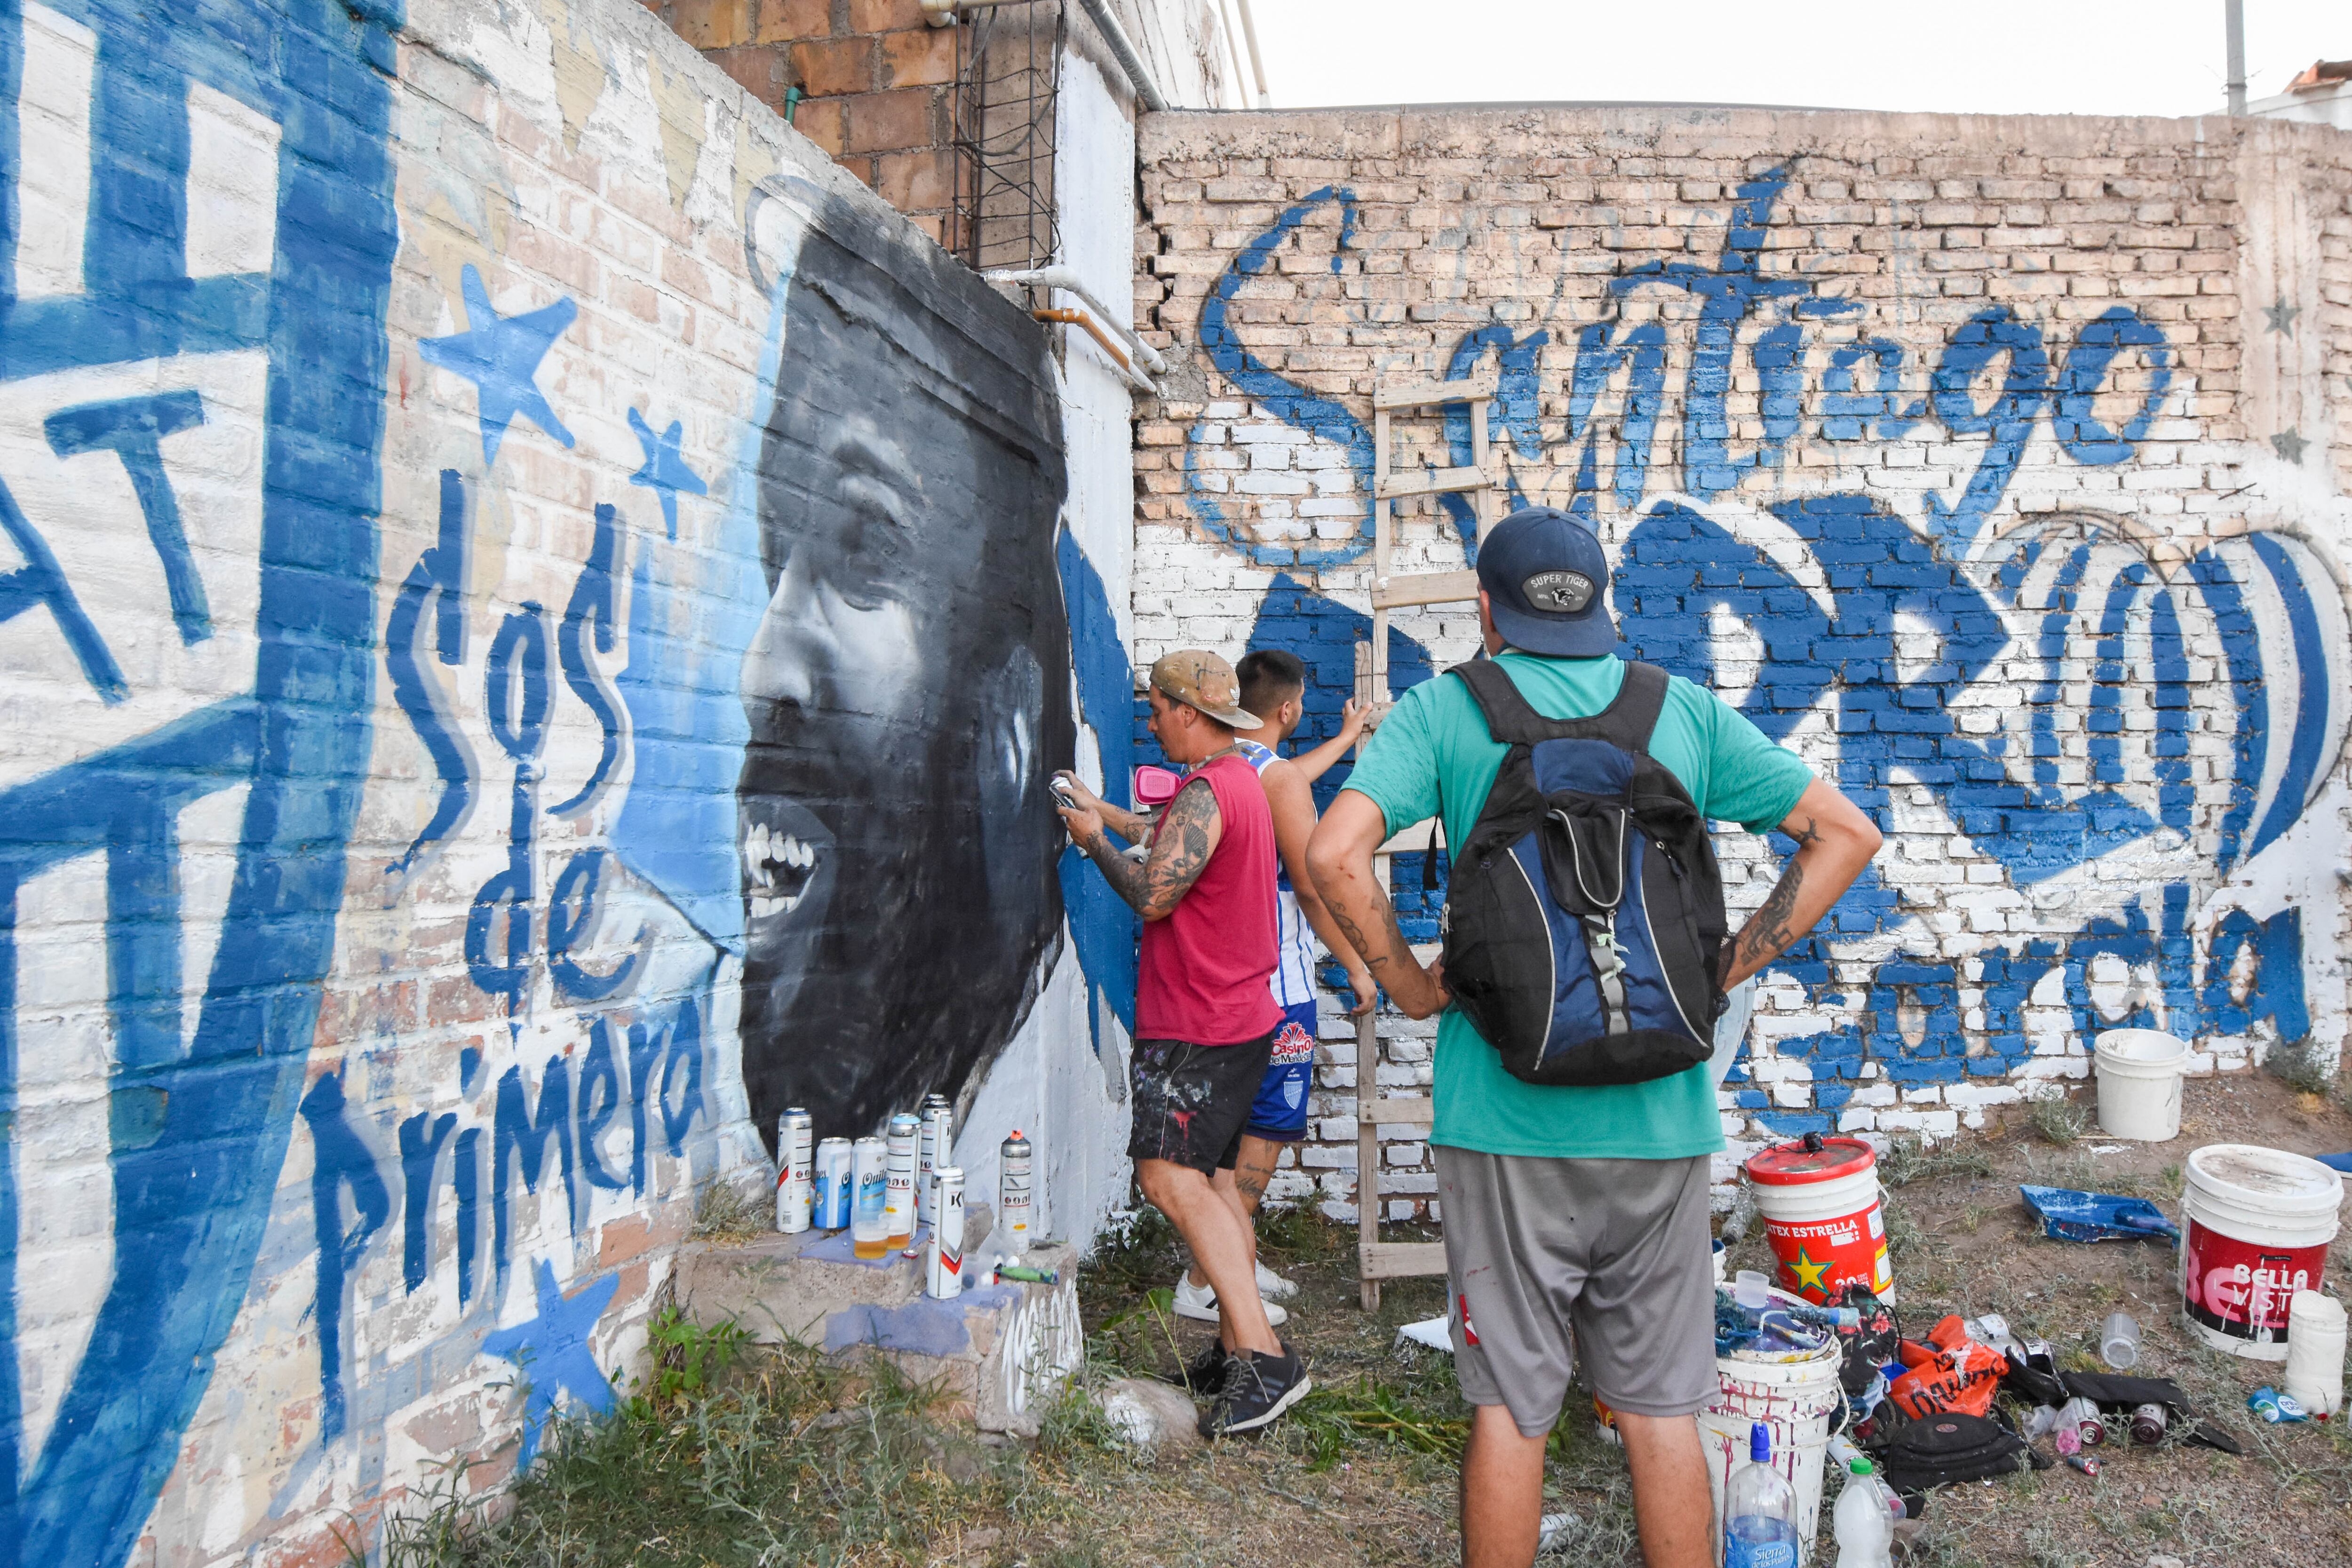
(1204, 1374)
(1258, 1389)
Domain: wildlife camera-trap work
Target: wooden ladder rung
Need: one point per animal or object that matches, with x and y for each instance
(1422, 393)
(1399, 1259)
(1410, 840)
(1425, 588)
(1431, 482)
(1405, 1111)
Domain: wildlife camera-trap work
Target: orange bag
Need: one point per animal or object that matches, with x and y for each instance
(1950, 1372)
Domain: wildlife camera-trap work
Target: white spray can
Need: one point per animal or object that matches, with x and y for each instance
(795, 1159)
(1016, 1195)
(898, 1202)
(937, 1148)
(945, 1271)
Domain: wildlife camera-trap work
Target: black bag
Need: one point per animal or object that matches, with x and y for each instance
(1585, 912)
(1945, 1450)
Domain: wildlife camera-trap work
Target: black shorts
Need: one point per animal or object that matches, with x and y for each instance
(1193, 1101)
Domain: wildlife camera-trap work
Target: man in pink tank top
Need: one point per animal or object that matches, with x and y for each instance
(1204, 1016)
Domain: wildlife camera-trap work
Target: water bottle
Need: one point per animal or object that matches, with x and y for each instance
(1865, 1533)
(1759, 1511)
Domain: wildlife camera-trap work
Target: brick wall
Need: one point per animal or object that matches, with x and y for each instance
(1998, 467)
(878, 80)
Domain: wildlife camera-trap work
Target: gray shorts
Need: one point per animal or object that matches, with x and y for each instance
(1547, 1257)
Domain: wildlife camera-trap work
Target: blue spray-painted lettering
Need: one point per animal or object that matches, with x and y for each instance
(133, 429)
(339, 1162)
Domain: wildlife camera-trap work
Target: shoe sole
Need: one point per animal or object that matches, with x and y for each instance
(1274, 1316)
(1290, 1396)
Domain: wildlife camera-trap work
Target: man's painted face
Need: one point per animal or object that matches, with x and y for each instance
(906, 685)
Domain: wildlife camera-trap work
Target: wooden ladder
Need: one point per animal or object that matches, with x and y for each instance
(1375, 1259)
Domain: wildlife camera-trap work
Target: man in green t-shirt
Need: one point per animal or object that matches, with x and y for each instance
(1568, 1210)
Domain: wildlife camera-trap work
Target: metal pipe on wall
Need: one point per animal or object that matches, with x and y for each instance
(2233, 20)
(1123, 47)
(1257, 66)
(1066, 278)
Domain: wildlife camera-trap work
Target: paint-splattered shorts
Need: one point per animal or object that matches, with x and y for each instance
(1193, 1101)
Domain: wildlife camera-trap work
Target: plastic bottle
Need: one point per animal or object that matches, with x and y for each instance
(1759, 1511)
(1865, 1535)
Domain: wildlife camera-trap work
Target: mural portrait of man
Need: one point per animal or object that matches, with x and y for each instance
(906, 687)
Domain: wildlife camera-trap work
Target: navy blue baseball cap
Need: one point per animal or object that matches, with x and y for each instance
(1546, 584)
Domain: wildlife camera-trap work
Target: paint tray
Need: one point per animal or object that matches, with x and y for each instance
(2069, 1216)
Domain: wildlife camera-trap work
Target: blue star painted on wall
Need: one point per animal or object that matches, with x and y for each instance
(665, 472)
(553, 1351)
(500, 356)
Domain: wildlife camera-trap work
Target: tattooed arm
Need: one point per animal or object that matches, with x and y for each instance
(1187, 839)
(1339, 858)
(1834, 841)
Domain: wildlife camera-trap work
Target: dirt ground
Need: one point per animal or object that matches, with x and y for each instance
(1366, 1474)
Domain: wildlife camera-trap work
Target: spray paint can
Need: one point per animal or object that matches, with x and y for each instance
(834, 1186)
(2147, 1425)
(867, 1238)
(898, 1199)
(1015, 1194)
(795, 1155)
(938, 1147)
(944, 1268)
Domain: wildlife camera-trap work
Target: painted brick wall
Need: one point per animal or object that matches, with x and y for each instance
(466, 473)
(1996, 465)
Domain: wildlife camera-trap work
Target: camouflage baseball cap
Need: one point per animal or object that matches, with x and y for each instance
(1199, 678)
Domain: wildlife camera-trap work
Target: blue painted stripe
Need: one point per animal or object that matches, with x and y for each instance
(2313, 693)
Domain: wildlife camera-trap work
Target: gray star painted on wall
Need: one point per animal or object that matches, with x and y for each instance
(2290, 446)
(2281, 316)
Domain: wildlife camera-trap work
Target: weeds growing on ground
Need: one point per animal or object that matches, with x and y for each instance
(1909, 1160)
(2058, 1120)
(2301, 1068)
(799, 1460)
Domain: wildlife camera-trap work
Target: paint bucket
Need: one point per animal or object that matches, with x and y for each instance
(1824, 1216)
(2314, 1353)
(2139, 1083)
(833, 1186)
(1797, 1399)
(2255, 1224)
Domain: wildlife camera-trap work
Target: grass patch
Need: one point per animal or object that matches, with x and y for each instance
(797, 1460)
(1909, 1160)
(2058, 1120)
(728, 1214)
(2301, 1068)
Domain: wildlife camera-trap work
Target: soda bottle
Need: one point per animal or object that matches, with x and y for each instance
(1759, 1511)
(1865, 1533)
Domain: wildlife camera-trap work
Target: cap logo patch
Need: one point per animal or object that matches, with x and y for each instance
(1558, 593)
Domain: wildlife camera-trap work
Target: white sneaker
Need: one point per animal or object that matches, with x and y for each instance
(1272, 1287)
(1201, 1302)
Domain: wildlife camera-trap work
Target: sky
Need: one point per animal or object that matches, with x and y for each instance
(1991, 56)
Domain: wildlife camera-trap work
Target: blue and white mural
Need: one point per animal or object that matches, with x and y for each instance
(1961, 554)
(449, 650)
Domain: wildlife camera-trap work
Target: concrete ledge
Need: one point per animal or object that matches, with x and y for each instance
(998, 1351)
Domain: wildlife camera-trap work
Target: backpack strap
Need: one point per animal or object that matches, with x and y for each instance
(1626, 723)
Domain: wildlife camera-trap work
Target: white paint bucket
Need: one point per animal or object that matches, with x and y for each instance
(2255, 1224)
(2139, 1084)
(1796, 1399)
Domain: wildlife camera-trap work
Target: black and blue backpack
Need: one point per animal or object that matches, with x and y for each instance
(1584, 913)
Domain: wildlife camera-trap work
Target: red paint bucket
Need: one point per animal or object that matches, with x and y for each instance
(1824, 1216)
